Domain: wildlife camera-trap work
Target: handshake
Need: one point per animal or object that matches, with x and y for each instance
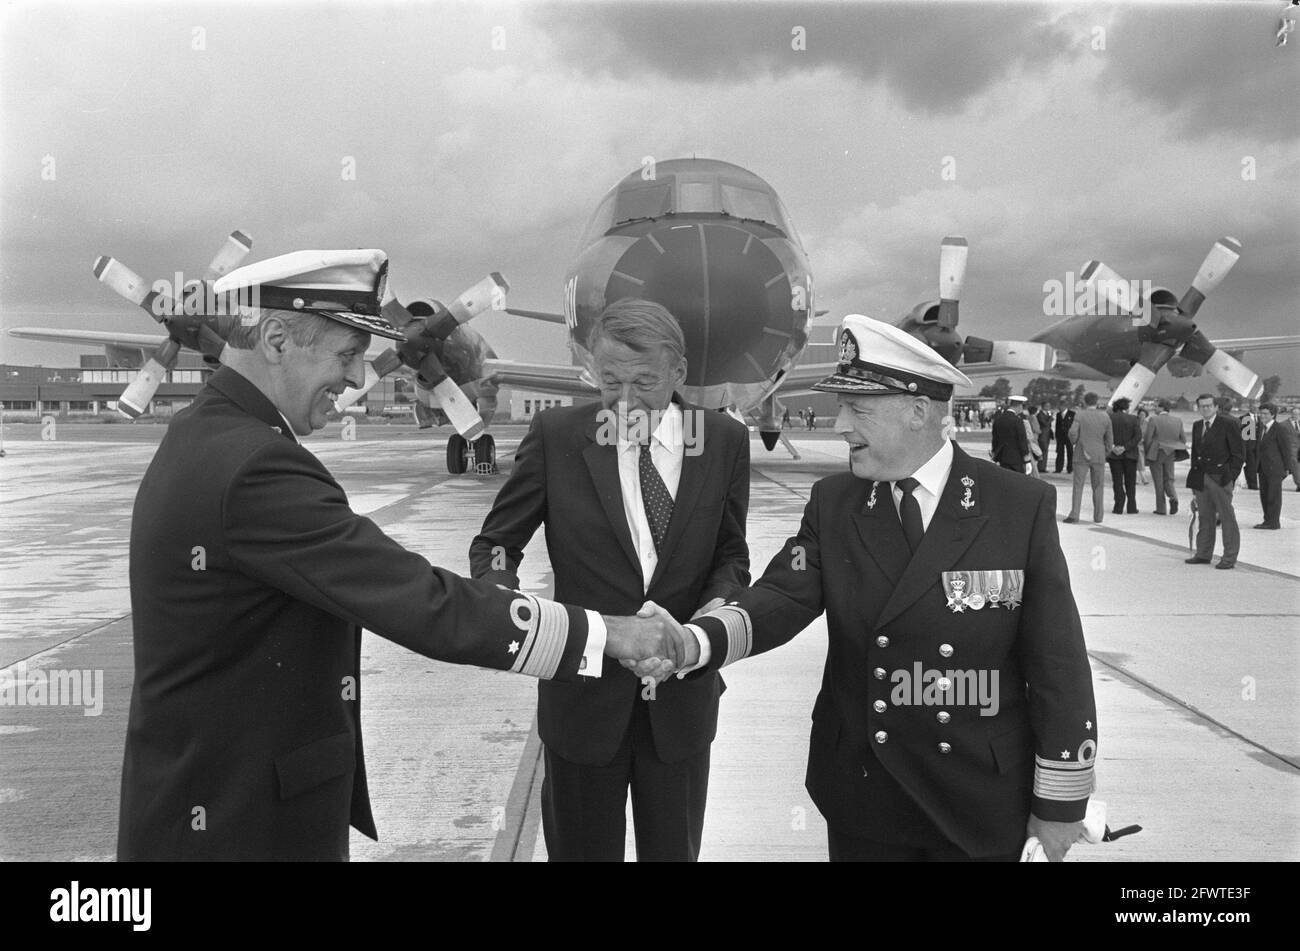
(652, 644)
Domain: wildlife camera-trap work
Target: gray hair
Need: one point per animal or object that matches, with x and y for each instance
(640, 325)
(305, 328)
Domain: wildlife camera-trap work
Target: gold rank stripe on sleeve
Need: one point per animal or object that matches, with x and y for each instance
(740, 632)
(546, 627)
(1062, 780)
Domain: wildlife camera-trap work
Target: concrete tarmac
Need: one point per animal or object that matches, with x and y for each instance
(1195, 669)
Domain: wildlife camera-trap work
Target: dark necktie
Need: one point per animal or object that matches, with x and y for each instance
(909, 511)
(654, 497)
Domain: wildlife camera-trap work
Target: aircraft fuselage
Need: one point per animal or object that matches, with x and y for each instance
(711, 242)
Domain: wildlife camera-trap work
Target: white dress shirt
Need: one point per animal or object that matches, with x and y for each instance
(666, 451)
(932, 476)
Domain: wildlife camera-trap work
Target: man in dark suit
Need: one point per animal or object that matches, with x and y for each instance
(1010, 441)
(1126, 431)
(1216, 462)
(1277, 454)
(1064, 448)
(1250, 447)
(1044, 420)
(626, 523)
(251, 578)
(1294, 423)
(940, 575)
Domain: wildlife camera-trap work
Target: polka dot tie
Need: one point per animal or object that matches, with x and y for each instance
(654, 496)
(909, 512)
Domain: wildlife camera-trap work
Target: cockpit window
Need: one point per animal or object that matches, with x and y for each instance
(741, 202)
(696, 196)
(600, 222)
(650, 201)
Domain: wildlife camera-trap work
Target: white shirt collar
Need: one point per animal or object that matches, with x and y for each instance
(287, 428)
(933, 474)
(668, 433)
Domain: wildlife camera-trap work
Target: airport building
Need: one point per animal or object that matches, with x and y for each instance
(93, 387)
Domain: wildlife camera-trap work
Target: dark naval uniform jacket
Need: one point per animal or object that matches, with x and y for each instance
(251, 579)
(566, 478)
(894, 757)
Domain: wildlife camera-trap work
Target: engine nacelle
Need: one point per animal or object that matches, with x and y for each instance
(922, 322)
(462, 352)
(462, 355)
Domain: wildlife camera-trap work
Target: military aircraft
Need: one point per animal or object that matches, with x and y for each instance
(713, 243)
(708, 239)
(1159, 331)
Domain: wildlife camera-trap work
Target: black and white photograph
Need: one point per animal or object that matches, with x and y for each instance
(742, 432)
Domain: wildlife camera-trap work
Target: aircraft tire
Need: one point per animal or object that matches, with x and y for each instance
(457, 454)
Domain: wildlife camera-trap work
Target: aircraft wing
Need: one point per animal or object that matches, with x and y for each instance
(1257, 343)
(88, 338)
(543, 377)
(542, 315)
(1064, 368)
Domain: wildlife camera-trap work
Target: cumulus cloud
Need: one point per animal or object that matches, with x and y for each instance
(932, 58)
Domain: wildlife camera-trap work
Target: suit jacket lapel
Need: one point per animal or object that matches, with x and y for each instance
(950, 533)
(882, 532)
(602, 462)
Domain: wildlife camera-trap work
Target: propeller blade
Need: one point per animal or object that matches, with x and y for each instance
(1135, 384)
(1213, 270)
(1151, 357)
(952, 273)
(487, 294)
(395, 312)
(227, 259)
(1224, 367)
(137, 397)
(123, 281)
(351, 395)
(1120, 296)
(460, 411)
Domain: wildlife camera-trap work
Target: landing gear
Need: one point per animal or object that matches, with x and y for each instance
(485, 455)
(481, 455)
(457, 454)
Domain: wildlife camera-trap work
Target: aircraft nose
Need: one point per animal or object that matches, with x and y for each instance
(728, 290)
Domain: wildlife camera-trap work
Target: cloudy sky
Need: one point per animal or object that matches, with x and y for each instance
(482, 135)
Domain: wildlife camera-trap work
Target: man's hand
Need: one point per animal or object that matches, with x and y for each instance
(651, 644)
(1057, 837)
(690, 645)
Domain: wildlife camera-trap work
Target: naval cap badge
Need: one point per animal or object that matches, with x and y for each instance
(848, 347)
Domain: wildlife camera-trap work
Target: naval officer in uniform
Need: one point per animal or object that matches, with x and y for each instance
(251, 578)
(956, 713)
